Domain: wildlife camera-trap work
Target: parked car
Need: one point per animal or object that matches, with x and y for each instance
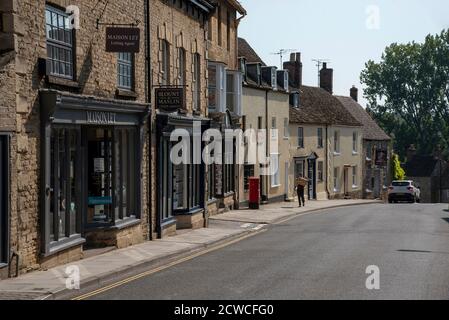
(404, 190)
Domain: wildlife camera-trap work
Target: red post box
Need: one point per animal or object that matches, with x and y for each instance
(254, 193)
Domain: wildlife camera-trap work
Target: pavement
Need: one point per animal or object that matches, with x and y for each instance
(111, 267)
(330, 254)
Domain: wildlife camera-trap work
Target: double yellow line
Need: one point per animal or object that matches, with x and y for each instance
(169, 265)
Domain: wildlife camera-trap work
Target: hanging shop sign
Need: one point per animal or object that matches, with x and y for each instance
(120, 39)
(170, 99)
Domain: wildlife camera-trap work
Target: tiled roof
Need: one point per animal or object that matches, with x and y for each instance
(371, 130)
(317, 106)
(246, 51)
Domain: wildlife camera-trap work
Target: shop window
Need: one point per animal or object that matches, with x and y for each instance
(299, 168)
(217, 87)
(60, 43)
(248, 173)
(125, 70)
(64, 216)
(4, 198)
(196, 81)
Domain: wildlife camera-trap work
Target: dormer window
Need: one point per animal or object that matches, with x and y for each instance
(286, 81)
(242, 67)
(294, 99)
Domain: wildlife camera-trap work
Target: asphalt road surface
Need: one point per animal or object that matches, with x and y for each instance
(323, 255)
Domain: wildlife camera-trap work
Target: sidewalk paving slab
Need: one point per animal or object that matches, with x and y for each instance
(115, 265)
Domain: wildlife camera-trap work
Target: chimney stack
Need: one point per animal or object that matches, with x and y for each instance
(326, 78)
(354, 93)
(294, 67)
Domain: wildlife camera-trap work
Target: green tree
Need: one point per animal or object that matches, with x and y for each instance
(397, 172)
(408, 93)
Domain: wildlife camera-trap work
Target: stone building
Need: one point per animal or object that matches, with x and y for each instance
(178, 31)
(376, 148)
(265, 106)
(325, 138)
(74, 137)
(224, 103)
(430, 173)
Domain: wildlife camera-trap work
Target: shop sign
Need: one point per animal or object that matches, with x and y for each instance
(100, 117)
(170, 99)
(122, 39)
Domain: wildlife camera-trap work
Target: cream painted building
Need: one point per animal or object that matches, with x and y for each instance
(325, 141)
(265, 105)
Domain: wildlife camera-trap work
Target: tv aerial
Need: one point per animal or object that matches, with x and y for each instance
(283, 52)
(319, 63)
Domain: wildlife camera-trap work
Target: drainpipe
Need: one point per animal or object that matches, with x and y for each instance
(327, 161)
(150, 118)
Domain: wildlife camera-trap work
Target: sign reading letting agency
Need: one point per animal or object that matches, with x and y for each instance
(122, 39)
(170, 99)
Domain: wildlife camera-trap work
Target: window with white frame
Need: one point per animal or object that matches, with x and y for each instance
(217, 87)
(60, 43)
(336, 141)
(300, 137)
(125, 70)
(355, 140)
(273, 127)
(234, 91)
(354, 176)
(275, 177)
(286, 81)
(336, 179)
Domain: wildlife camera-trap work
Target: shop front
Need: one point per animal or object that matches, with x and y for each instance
(91, 153)
(181, 187)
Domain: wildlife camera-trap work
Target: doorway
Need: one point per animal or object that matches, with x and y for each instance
(311, 165)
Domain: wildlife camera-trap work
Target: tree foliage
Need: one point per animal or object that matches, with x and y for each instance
(397, 172)
(408, 93)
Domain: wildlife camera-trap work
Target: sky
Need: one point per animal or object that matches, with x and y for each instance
(346, 32)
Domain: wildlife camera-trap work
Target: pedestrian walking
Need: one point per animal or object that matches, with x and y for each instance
(300, 186)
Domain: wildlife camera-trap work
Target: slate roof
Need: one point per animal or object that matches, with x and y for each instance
(371, 130)
(420, 166)
(317, 106)
(246, 51)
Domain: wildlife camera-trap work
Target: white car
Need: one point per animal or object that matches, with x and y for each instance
(404, 190)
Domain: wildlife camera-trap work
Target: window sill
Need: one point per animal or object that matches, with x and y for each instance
(355, 153)
(337, 154)
(130, 222)
(3, 265)
(299, 148)
(354, 187)
(62, 82)
(276, 186)
(191, 212)
(65, 244)
(125, 93)
(212, 201)
(336, 190)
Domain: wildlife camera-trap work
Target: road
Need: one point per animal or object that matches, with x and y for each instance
(323, 255)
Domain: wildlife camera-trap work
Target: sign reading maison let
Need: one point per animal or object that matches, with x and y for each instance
(99, 117)
(122, 39)
(170, 99)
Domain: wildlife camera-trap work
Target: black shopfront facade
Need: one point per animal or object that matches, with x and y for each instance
(91, 165)
(180, 187)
